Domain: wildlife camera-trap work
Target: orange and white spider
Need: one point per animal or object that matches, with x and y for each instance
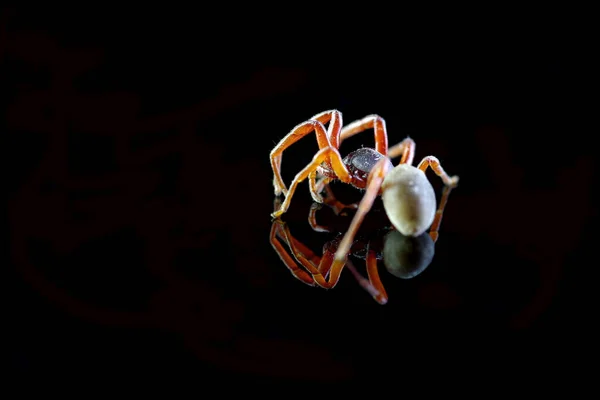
(408, 197)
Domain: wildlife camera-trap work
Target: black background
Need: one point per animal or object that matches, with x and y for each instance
(140, 190)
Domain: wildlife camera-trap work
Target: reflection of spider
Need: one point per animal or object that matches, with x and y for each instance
(403, 256)
(408, 197)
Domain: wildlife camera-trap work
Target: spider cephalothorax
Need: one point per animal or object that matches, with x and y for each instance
(359, 163)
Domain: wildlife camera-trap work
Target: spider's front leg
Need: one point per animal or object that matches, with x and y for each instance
(375, 180)
(296, 134)
(324, 140)
(316, 187)
(323, 184)
(328, 154)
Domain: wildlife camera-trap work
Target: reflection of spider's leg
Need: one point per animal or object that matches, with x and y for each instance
(373, 284)
(317, 266)
(365, 283)
(406, 149)
(370, 121)
(373, 275)
(276, 203)
(435, 226)
(289, 262)
(434, 163)
(328, 153)
(296, 134)
(312, 219)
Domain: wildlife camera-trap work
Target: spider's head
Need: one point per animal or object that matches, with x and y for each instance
(360, 162)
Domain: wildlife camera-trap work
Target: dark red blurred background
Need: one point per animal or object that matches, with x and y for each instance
(140, 190)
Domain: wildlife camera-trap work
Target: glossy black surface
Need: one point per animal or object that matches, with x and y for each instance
(140, 191)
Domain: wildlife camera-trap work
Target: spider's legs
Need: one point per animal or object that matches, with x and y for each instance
(312, 219)
(434, 163)
(324, 139)
(375, 180)
(334, 117)
(299, 273)
(330, 199)
(296, 134)
(316, 187)
(328, 153)
(316, 269)
(406, 149)
(435, 226)
(366, 284)
(302, 254)
(370, 121)
(380, 294)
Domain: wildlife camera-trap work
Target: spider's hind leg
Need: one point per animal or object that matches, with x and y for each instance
(434, 163)
(406, 149)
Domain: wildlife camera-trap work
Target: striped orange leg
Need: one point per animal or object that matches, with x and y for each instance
(368, 122)
(434, 163)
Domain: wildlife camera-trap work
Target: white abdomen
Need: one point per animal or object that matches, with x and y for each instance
(409, 199)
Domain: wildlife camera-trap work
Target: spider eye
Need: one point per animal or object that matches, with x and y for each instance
(407, 256)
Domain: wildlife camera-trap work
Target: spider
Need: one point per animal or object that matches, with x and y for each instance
(408, 197)
(403, 256)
